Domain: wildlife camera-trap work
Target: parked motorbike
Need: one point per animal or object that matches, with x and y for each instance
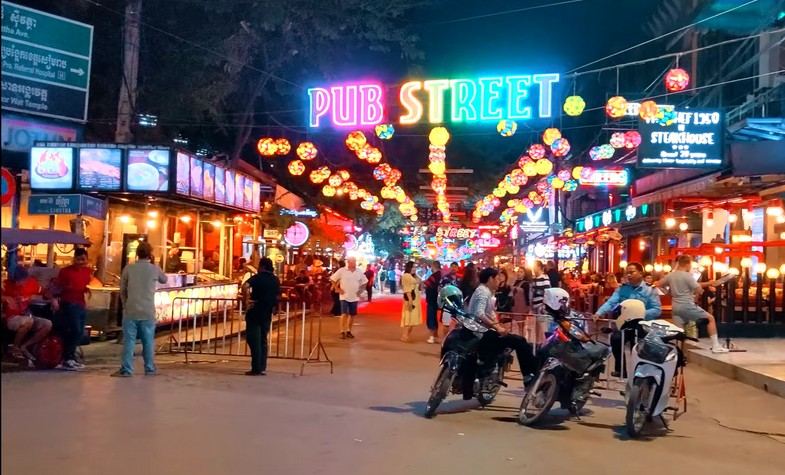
(656, 365)
(571, 363)
(461, 371)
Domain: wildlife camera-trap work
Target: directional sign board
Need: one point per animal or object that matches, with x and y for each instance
(46, 63)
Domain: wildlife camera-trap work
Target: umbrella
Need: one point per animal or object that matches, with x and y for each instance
(40, 236)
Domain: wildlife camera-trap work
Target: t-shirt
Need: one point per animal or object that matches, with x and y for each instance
(350, 282)
(137, 289)
(19, 294)
(72, 282)
(538, 286)
(682, 287)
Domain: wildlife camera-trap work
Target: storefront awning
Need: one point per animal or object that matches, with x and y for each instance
(689, 188)
(40, 236)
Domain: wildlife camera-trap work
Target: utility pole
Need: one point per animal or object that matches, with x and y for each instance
(126, 104)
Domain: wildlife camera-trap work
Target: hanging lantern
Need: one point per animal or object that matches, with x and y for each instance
(355, 140)
(576, 172)
(594, 152)
(384, 131)
(543, 187)
(530, 169)
(560, 147)
(306, 151)
(439, 185)
(328, 191)
(564, 174)
(677, 80)
(523, 160)
(374, 156)
(666, 117)
(574, 105)
(557, 183)
(518, 177)
(317, 177)
(381, 171)
(527, 202)
(335, 180)
(283, 147)
(344, 174)
(616, 107)
(606, 151)
(648, 110)
(439, 136)
(437, 167)
(537, 151)
(499, 192)
(548, 137)
(570, 185)
(544, 166)
(513, 189)
(586, 173)
(617, 140)
(632, 139)
(296, 167)
(266, 147)
(506, 128)
(387, 193)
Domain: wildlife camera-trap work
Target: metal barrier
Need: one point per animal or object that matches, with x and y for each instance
(215, 326)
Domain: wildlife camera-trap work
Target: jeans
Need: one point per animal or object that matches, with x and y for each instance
(70, 325)
(431, 312)
(492, 344)
(256, 330)
(145, 329)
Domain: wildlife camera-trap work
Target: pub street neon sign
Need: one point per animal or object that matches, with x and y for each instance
(520, 97)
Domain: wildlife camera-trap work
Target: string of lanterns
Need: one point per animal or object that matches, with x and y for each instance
(438, 138)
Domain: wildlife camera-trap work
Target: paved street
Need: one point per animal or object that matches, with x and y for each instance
(207, 418)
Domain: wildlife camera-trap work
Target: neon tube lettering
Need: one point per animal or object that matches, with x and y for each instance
(344, 105)
(491, 93)
(546, 82)
(372, 110)
(410, 102)
(517, 95)
(319, 99)
(436, 90)
(463, 95)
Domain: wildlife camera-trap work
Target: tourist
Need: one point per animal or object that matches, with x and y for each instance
(264, 290)
(349, 281)
(540, 282)
(411, 313)
(553, 274)
(369, 275)
(392, 279)
(432, 286)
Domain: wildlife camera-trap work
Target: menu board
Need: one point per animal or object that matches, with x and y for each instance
(209, 181)
(220, 185)
(51, 168)
(239, 185)
(183, 185)
(248, 194)
(99, 168)
(257, 190)
(197, 190)
(230, 187)
(147, 170)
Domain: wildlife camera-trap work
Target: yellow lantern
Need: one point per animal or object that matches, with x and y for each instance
(616, 107)
(544, 166)
(344, 174)
(335, 180)
(283, 147)
(328, 191)
(355, 140)
(574, 105)
(437, 168)
(439, 136)
(550, 135)
(266, 147)
(557, 183)
(296, 167)
(306, 151)
(530, 169)
(648, 110)
(499, 192)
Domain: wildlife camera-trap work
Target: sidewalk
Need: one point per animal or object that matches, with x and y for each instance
(761, 366)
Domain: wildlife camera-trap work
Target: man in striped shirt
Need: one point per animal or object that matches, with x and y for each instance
(538, 286)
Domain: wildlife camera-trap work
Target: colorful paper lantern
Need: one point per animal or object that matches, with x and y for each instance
(335, 180)
(518, 177)
(606, 151)
(570, 185)
(437, 167)
(594, 152)
(296, 167)
(557, 184)
(530, 169)
(617, 140)
(616, 107)
(307, 151)
(560, 147)
(574, 105)
(677, 80)
(384, 131)
(355, 140)
(283, 147)
(666, 117)
(648, 110)
(544, 166)
(266, 147)
(328, 191)
(537, 151)
(506, 128)
(576, 172)
(564, 174)
(548, 137)
(439, 136)
(632, 139)
(586, 173)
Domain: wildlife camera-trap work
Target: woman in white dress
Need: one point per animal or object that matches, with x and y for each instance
(411, 313)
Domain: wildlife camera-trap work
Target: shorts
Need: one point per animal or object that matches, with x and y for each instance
(689, 313)
(16, 322)
(348, 308)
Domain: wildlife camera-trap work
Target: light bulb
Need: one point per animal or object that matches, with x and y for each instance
(667, 268)
(216, 223)
(705, 261)
(774, 211)
(746, 262)
(780, 219)
(718, 250)
(125, 219)
(782, 269)
(760, 267)
(623, 264)
(648, 268)
(720, 267)
(683, 226)
(151, 224)
(658, 267)
(152, 214)
(732, 218)
(772, 273)
(185, 218)
(670, 222)
(734, 271)
(710, 219)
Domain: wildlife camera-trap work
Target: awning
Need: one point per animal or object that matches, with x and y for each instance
(689, 188)
(40, 236)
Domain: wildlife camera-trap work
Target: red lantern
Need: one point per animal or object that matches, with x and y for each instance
(677, 80)
(266, 147)
(632, 139)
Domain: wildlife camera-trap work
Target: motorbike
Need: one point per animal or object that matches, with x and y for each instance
(461, 371)
(656, 364)
(571, 363)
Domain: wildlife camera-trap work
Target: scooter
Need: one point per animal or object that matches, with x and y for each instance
(657, 366)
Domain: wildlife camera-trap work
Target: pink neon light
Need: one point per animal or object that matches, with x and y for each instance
(347, 105)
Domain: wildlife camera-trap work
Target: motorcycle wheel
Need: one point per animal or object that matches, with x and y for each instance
(638, 406)
(539, 400)
(439, 390)
(487, 397)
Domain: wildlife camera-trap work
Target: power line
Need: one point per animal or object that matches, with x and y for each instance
(505, 12)
(750, 2)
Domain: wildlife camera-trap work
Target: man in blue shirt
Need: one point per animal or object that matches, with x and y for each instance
(635, 289)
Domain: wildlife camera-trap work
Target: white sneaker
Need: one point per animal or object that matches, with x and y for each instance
(431, 339)
(719, 349)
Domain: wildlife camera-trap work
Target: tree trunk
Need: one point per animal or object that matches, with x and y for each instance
(127, 101)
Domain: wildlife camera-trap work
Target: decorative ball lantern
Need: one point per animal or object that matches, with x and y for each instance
(586, 173)
(439, 185)
(499, 192)
(594, 152)
(632, 139)
(544, 166)
(266, 147)
(666, 117)
(355, 140)
(530, 169)
(328, 191)
(381, 171)
(606, 151)
(523, 160)
(344, 174)
(506, 128)
(574, 105)
(296, 167)
(570, 185)
(335, 180)
(560, 147)
(576, 172)
(537, 151)
(384, 131)
(393, 176)
(437, 167)
(677, 80)
(564, 175)
(387, 192)
(374, 156)
(439, 136)
(519, 178)
(617, 140)
(548, 137)
(557, 183)
(283, 147)
(648, 110)
(317, 176)
(616, 107)
(306, 151)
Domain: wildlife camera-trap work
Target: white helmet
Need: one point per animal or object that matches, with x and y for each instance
(632, 309)
(556, 299)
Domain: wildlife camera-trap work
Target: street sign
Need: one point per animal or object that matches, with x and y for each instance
(46, 63)
(67, 204)
(8, 186)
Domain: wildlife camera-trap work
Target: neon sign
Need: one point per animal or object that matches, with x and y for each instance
(606, 177)
(519, 97)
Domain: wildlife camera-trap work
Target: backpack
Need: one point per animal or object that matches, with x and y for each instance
(49, 353)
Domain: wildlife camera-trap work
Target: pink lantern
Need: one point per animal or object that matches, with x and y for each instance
(564, 175)
(617, 140)
(537, 151)
(560, 147)
(677, 80)
(632, 139)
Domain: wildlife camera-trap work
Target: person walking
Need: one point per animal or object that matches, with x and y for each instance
(432, 285)
(336, 309)
(411, 313)
(70, 288)
(369, 274)
(263, 290)
(137, 293)
(349, 281)
(392, 280)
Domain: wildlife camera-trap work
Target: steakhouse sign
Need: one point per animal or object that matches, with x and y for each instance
(693, 140)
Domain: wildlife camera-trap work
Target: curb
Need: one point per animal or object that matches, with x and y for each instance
(758, 380)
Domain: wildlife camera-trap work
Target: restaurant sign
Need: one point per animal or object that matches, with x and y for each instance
(691, 139)
(614, 216)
